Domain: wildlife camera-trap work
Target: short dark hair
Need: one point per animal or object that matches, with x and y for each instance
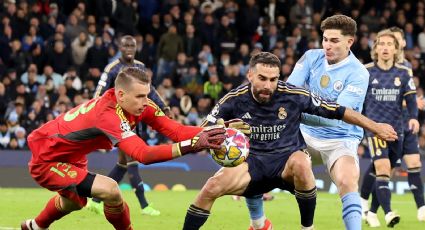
(265, 58)
(128, 75)
(340, 22)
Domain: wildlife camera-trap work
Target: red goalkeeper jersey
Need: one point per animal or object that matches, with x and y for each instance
(101, 124)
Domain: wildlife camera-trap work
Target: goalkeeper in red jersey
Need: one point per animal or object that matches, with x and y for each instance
(60, 146)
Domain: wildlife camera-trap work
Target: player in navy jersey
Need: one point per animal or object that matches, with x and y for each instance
(389, 84)
(410, 149)
(333, 73)
(277, 158)
(128, 51)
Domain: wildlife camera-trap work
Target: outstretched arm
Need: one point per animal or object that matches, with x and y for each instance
(382, 130)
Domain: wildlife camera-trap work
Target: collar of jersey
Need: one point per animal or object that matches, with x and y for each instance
(339, 64)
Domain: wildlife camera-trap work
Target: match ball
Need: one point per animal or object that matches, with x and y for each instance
(233, 151)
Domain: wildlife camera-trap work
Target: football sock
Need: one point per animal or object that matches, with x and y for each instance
(117, 173)
(195, 218)
(50, 213)
(368, 183)
(136, 183)
(118, 215)
(352, 211)
(256, 212)
(307, 204)
(383, 192)
(374, 205)
(416, 185)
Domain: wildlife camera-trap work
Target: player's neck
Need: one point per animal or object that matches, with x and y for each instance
(127, 62)
(385, 64)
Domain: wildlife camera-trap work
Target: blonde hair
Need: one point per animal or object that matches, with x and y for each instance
(387, 33)
(128, 75)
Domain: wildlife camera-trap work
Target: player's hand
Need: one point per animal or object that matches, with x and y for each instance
(210, 138)
(414, 126)
(236, 123)
(386, 132)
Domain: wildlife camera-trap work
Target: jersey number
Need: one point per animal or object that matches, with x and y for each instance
(82, 109)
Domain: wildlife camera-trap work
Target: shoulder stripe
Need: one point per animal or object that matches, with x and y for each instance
(235, 93)
(153, 104)
(120, 113)
(284, 88)
(111, 65)
(369, 65)
(409, 92)
(402, 67)
(139, 62)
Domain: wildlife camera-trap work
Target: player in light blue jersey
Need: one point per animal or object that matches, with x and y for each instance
(335, 74)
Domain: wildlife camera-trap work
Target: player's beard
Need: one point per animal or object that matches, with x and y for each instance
(261, 99)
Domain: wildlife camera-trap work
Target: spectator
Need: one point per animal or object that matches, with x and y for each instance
(125, 18)
(59, 58)
(192, 44)
(5, 135)
(169, 46)
(213, 87)
(19, 137)
(79, 48)
(32, 73)
(48, 73)
(97, 55)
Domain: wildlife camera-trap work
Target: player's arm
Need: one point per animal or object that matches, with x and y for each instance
(103, 84)
(352, 96)
(409, 96)
(222, 114)
(135, 147)
(317, 106)
(301, 72)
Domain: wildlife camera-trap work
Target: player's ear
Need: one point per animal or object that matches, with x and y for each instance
(250, 75)
(350, 41)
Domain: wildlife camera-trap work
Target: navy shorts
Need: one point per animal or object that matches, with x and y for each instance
(265, 172)
(410, 143)
(380, 149)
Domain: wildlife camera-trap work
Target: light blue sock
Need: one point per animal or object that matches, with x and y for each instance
(352, 211)
(255, 206)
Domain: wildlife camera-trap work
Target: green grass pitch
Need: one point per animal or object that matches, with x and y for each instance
(20, 204)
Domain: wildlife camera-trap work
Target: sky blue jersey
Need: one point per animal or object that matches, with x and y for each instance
(345, 82)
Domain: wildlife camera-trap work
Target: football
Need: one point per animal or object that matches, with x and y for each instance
(233, 151)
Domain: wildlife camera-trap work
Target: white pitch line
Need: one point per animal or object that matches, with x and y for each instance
(8, 228)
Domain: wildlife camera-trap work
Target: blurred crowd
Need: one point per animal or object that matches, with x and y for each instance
(52, 52)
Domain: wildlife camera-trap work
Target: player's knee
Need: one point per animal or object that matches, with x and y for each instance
(113, 194)
(300, 166)
(347, 184)
(213, 188)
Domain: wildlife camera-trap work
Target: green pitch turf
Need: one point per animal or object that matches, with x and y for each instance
(19, 204)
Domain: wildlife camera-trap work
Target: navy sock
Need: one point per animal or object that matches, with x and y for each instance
(375, 203)
(383, 192)
(368, 183)
(307, 204)
(416, 185)
(117, 173)
(137, 183)
(195, 218)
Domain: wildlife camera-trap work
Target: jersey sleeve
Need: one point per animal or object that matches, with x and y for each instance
(301, 72)
(135, 147)
(409, 94)
(223, 109)
(104, 82)
(354, 92)
(114, 125)
(154, 117)
(313, 104)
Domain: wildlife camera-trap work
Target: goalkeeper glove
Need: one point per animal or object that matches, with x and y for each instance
(209, 138)
(236, 123)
